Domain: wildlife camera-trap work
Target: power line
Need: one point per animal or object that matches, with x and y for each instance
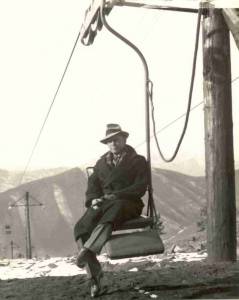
(53, 101)
(170, 123)
(49, 110)
(175, 120)
(178, 118)
(235, 79)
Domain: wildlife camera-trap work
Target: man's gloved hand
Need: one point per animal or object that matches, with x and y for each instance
(109, 197)
(96, 203)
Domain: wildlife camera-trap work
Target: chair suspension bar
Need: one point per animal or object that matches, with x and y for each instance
(150, 6)
(147, 115)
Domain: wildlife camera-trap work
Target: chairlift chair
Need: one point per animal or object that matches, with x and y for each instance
(137, 237)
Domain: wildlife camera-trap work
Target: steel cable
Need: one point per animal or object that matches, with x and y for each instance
(150, 91)
(49, 110)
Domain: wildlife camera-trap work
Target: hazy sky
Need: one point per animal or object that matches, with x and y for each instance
(104, 82)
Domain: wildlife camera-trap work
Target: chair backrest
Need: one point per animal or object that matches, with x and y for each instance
(89, 171)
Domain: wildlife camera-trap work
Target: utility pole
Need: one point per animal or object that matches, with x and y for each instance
(13, 245)
(28, 228)
(27, 205)
(220, 174)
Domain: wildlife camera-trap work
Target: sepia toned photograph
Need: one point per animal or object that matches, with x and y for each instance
(119, 165)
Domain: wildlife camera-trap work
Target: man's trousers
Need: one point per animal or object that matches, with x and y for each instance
(95, 243)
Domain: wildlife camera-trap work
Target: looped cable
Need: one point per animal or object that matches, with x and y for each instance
(150, 88)
(150, 92)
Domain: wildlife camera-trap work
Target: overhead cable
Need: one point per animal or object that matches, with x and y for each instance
(171, 123)
(49, 110)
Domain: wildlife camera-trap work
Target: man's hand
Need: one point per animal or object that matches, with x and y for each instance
(109, 197)
(96, 203)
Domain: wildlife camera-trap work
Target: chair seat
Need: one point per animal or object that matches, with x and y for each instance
(140, 222)
(137, 243)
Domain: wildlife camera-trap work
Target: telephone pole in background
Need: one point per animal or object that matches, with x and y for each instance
(28, 228)
(8, 231)
(12, 246)
(27, 205)
(220, 174)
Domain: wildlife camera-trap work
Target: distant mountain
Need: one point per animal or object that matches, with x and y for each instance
(11, 179)
(178, 198)
(6, 180)
(51, 224)
(192, 167)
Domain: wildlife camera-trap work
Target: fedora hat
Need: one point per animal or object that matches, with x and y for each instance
(113, 130)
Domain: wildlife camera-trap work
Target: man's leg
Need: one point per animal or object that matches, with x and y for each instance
(94, 244)
(92, 266)
(86, 224)
(98, 237)
(89, 250)
(92, 247)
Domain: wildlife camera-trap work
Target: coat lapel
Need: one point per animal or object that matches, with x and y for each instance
(121, 170)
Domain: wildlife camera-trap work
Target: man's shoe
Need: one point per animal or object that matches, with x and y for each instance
(83, 257)
(95, 286)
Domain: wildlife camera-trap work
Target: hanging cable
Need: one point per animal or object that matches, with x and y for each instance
(150, 91)
(178, 118)
(170, 123)
(49, 110)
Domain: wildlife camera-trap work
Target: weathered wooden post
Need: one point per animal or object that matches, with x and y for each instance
(220, 175)
(28, 228)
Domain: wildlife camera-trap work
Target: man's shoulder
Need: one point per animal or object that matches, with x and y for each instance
(101, 159)
(140, 159)
(133, 154)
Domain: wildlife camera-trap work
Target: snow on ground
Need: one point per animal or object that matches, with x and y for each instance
(65, 266)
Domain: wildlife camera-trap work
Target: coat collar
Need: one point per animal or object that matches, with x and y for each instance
(128, 153)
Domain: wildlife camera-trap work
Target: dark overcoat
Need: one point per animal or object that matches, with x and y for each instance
(127, 181)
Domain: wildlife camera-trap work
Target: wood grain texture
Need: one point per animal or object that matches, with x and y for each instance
(220, 175)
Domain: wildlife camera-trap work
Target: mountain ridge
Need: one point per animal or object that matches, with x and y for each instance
(179, 199)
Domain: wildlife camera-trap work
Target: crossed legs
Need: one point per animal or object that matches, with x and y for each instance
(88, 251)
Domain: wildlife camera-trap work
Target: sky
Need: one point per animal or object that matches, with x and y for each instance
(103, 84)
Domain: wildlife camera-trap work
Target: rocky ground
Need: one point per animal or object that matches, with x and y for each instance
(168, 276)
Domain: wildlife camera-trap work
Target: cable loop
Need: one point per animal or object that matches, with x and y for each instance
(189, 99)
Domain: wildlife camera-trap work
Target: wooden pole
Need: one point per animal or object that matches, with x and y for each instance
(12, 245)
(220, 174)
(28, 229)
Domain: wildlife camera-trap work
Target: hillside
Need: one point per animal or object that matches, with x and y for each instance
(10, 179)
(178, 198)
(51, 224)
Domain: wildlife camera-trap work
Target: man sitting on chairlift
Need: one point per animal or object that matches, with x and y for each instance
(113, 196)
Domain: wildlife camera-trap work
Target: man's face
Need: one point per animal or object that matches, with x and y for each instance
(116, 144)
